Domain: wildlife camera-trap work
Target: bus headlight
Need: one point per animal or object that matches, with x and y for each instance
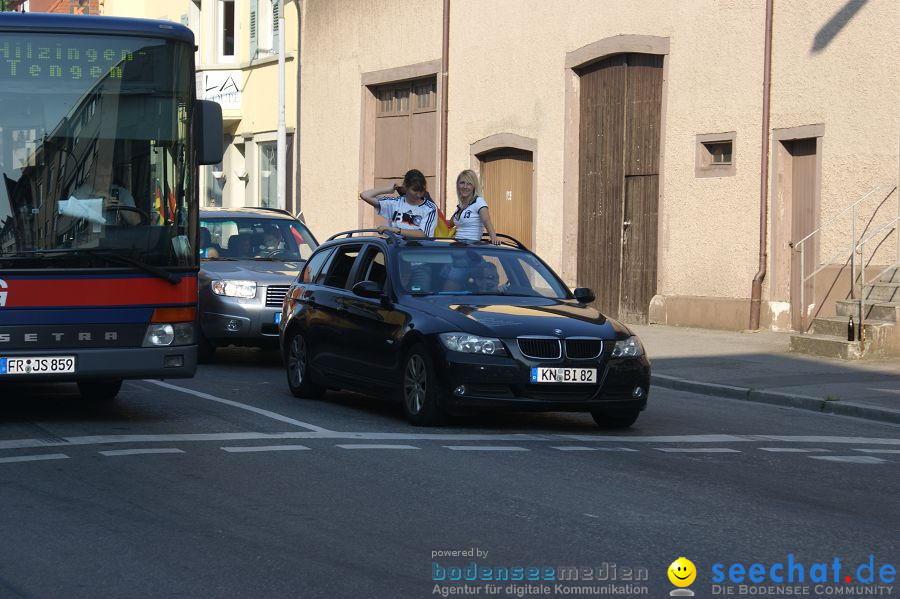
(166, 334)
(229, 288)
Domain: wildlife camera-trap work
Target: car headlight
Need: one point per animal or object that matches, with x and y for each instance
(472, 344)
(230, 288)
(628, 348)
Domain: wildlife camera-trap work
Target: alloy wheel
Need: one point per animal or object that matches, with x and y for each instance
(415, 382)
(297, 360)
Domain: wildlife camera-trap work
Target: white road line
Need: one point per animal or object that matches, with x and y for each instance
(850, 459)
(34, 458)
(115, 452)
(878, 450)
(581, 448)
(790, 449)
(242, 406)
(244, 449)
(696, 450)
(376, 446)
(662, 439)
(484, 448)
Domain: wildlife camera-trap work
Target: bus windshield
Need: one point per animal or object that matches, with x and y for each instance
(95, 151)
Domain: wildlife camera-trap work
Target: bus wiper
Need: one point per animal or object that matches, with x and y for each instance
(171, 277)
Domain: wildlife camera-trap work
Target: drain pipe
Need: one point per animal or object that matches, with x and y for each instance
(756, 289)
(445, 58)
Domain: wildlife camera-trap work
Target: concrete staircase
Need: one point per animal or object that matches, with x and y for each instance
(881, 305)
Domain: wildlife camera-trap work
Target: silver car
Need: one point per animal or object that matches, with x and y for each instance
(249, 258)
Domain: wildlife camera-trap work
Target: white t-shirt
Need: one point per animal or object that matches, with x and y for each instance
(401, 214)
(468, 220)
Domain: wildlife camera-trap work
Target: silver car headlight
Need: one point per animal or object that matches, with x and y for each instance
(472, 344)
(229, 288)
(628, 348)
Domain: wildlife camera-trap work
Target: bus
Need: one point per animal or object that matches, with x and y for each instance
(101, 135)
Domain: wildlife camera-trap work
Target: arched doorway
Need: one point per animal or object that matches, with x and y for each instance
(506, 178)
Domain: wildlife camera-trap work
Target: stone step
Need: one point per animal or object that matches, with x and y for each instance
(828, 346)
(882, 292)
(836, 326)
(891, 276)
(874, 309)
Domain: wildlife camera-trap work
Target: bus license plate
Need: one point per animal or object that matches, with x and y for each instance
(38, 365)
(563, 375)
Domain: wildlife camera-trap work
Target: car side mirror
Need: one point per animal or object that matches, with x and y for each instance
(369, 289)
(584, 295)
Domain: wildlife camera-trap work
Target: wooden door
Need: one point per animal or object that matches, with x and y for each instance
(406, 132)
(803, 222)
(506, 179)
(618, 191)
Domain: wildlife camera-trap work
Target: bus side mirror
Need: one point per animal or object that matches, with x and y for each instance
(210, 134)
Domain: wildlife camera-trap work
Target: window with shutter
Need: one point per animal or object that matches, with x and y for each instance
(276, 14)
(254, 29)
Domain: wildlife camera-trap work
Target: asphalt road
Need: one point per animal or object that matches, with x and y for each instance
(227, 486)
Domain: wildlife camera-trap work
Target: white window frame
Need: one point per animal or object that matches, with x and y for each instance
(220, 30)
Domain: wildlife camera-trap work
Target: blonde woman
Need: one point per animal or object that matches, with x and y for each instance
(472, 215)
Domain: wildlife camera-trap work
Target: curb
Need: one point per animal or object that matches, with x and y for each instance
(803, 402)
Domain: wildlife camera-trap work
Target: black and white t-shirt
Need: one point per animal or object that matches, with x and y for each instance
(401, 214)
(468, 220)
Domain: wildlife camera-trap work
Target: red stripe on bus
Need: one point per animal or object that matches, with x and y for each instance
(132, 291)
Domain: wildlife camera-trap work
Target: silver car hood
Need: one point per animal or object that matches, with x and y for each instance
(266, 272)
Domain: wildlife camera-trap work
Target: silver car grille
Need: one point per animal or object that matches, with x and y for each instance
(275, 295)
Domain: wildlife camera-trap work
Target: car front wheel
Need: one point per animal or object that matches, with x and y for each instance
(298, 369)
(419, 390)
(621, 419)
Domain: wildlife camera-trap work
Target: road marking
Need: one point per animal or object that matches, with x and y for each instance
(35, 458)
(850, 459)
(579, 448)
(242, 406)
(374, 446)
(245, 449)
(790, 449)
(878, 450)
(484, 448)
(696, 450)
(115, 452)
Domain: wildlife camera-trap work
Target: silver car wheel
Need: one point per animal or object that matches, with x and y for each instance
(297, 360)
(415, 383)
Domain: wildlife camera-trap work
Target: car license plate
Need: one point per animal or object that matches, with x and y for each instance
(563, 375)
(38, 365)
(278, 318)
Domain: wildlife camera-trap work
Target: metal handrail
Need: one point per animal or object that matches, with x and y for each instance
(854, 247)
(892, 224)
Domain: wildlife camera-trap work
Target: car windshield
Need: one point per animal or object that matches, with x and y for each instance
(254, 238)
(470, 270)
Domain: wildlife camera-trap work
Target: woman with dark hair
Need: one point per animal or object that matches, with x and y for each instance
(412, 213)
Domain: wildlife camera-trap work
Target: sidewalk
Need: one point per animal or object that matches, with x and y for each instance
(758, 367)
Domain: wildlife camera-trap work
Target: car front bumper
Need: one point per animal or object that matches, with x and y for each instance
(504, 382)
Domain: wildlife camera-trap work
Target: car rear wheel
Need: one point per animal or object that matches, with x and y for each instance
(104, 390)
(419, 391)
(298, 369)
(621, 419)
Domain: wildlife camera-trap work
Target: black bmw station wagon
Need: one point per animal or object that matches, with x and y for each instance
(446, 325)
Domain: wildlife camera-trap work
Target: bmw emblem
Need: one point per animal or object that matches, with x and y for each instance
(558, 332)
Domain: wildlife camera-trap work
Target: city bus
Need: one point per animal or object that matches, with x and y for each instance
(101, 134)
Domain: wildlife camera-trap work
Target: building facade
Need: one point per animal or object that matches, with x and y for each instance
(237, 66)
(672, 156)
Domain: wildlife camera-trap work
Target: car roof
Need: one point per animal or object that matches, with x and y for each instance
(274, 213)
(398, 241)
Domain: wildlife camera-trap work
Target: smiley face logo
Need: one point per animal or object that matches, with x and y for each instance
(682, 572)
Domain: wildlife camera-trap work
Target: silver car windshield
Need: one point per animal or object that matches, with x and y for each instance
(254, 238)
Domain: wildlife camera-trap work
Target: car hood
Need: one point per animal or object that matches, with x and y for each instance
(509, 317)
(261, 271)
